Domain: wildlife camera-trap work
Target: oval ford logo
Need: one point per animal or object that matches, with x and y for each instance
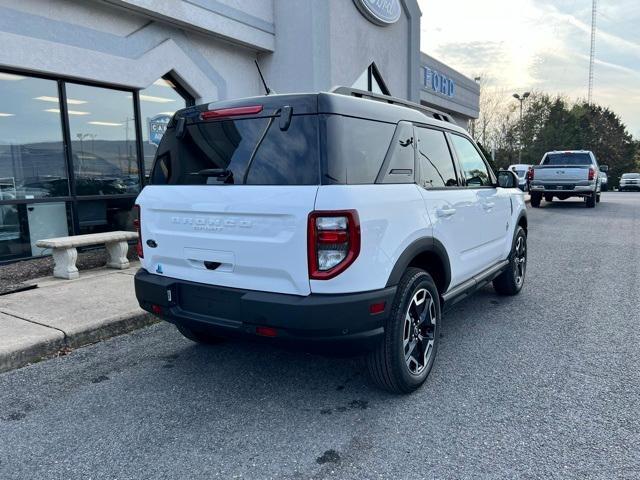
(380, 12)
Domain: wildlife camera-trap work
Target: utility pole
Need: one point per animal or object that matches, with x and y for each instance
(521, 99)
(592, 54)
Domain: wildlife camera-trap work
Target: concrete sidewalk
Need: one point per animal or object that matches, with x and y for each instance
(63, 314)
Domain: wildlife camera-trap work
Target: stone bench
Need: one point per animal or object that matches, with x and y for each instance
(65, 253)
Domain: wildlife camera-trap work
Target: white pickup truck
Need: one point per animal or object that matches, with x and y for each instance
(564, 174)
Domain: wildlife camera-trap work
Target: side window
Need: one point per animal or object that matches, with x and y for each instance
(355, 149)
(474, 170)
(434, 159)
(400, 161)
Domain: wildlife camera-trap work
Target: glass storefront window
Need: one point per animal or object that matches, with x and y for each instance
(32, 161)
(106, 215)
(103, 140)
(158, 103)
(22, 225)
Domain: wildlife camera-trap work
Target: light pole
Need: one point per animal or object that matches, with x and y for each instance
(521, 99)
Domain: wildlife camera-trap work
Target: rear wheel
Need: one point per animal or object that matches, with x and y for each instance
(591, 200)
(536, 198)
(198, 336)
(405, 356)
(548, 197)
(510, 281)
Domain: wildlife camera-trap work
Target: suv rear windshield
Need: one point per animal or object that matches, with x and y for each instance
(567, 159)
(244, 151)
(255, 151)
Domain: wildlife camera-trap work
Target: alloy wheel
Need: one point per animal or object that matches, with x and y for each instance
(419, 331)
(520, 260)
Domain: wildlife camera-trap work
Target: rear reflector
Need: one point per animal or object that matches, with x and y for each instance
(156, 309)
(231, 112)
(266, 331)
(375, 308)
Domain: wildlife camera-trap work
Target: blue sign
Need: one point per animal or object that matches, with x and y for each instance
(157, 126)
(437, 82)
(380, 12)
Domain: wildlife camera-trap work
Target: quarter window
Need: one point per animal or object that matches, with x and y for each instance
(474, 169)
(436, 164)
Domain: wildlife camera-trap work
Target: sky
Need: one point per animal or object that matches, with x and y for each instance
(520, 45)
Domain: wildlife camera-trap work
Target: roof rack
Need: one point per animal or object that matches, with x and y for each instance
(354, 92)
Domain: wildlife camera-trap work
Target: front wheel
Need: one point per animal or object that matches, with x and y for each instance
(510, 281)
(403, 359)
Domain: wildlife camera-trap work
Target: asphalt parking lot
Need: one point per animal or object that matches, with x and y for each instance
(542, 385)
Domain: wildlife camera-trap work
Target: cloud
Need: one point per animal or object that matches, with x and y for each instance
(541, 44)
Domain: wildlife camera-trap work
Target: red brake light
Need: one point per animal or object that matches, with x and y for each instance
(231, 112)
(592, 173)
(266, 332)
(333, 242)
(137, 225)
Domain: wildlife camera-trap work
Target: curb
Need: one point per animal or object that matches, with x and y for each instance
(58, 343)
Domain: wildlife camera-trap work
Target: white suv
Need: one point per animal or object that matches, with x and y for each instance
(325, 220)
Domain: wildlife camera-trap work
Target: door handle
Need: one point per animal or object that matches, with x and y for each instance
(445, 212)
(488, 205)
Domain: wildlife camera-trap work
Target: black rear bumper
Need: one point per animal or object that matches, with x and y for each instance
(314, 321)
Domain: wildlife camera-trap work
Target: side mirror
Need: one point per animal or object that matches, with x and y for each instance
(604, 168)
(508, 179)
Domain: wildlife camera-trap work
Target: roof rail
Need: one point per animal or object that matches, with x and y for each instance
(354, 92)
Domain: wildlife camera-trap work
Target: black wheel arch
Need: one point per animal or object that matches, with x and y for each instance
(429, 254)
(523, 221)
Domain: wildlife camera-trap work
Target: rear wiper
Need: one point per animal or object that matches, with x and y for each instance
(223, 174)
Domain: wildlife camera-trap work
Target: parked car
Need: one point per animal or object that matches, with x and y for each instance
(325, 221)
(629, 181)
(565, 174)
(521, 170)
(604, 181)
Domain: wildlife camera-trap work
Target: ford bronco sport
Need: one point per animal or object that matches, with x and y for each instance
(347, 220)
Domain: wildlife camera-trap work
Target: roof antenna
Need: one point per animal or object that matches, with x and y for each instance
(267, 89)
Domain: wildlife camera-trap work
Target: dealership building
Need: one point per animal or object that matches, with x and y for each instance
(87, 88)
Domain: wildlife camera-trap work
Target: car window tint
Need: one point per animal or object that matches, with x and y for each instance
(434, 157)
(474, 169)
(400, 162)
(355, 149)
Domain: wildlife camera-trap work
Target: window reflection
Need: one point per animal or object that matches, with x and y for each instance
(103, 140)
(32, 162)
(158, 103)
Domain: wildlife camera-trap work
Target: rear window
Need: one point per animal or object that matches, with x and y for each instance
(567, 159)
(252, 151)
(631, 175)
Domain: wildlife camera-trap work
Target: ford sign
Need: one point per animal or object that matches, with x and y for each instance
(380, 12)
(157, 127)
(436, 81)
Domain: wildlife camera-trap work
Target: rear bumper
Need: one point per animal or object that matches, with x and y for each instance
(579, 188)
(314, 321)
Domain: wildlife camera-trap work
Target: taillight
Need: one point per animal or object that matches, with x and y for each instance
(333, 242)
(137, 225)
(592, 173)
(231, 112)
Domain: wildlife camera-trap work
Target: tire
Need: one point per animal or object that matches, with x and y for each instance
(536, 198)
(510, 281)
(199, 336)
(548, 198)
(591, 200)
(389, 365)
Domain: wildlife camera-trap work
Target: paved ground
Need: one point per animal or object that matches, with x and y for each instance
(543, 385)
